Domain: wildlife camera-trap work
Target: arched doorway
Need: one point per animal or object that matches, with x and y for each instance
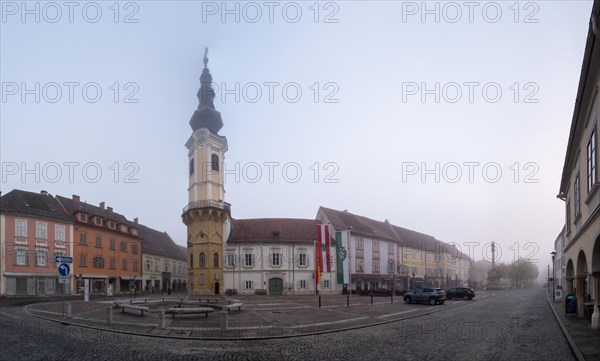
(581, 286)
(217, 286)
(596, 283)
(275, 286)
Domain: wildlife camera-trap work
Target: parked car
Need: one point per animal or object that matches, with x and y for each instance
(466, 293)
(432, 295)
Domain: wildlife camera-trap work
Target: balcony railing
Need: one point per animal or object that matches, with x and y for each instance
(208, 204)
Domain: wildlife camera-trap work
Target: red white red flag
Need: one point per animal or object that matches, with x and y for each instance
(324, 241)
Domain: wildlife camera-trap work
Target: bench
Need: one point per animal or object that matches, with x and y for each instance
(208, 300)
(134, 307)
(237, 305)
(190, 310)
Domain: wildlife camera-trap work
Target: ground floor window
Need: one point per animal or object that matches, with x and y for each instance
(34, 286)
(302, 284)
(326, 284)
(248, 285)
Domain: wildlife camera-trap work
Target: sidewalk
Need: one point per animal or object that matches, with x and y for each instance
(583, 339)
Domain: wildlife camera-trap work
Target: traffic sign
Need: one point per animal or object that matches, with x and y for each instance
(63, 259)
(64, 269)
(63, 280)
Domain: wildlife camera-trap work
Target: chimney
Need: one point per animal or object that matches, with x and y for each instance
(135, 220)
(76, 198)
(102, 205)
(109, 209)
(44, 193)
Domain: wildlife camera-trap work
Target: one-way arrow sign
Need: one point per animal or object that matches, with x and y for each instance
(63, 259)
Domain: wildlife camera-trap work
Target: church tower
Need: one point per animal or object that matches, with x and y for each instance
(207, 215)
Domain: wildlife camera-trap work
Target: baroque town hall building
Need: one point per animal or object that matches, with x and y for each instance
(277, 255)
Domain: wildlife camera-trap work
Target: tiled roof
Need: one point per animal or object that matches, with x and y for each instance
(183, 251)
(414, 238)
(273, 230)
(33, 204)
(160, 244)
(73, 206)
(341, 220)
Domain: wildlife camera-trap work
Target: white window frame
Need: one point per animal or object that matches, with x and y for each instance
(230, 260)
(375, 246)
(302, 284)
(591, 160)
(20, 227)
(21, 258)
(41, 230)
(303, 260)
(326, 284)
(59, 233)
(248, 285)
(376, 265)
(360, 265)
(276, 259)
(148, 264)
(41, 257)
(248, 260)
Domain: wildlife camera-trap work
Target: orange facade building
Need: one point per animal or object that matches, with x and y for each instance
(107, 249)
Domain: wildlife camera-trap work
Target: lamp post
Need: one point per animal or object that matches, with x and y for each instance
(548, 284)
(413, 281)
(553, 253)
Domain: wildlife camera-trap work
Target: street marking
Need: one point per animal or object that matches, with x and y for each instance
(8, 314)
(397, 313)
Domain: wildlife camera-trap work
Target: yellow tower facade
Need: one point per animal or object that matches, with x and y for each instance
(207, 215)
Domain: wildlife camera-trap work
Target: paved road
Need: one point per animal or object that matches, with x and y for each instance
(515, 325)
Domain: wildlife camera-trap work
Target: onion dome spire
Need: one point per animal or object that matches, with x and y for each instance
(206, 116)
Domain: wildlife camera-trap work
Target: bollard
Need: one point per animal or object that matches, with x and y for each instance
(68, 309)
(319, 301)
(371, 300)
(224, 320)
(161, 319)
(347, 300)
(109, 314)
(392, 297)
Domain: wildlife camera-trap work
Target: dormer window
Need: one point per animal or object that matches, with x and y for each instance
(111, 224)
(98, 221)
(83, 217)
(123, 228)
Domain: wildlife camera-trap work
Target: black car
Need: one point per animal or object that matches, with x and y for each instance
(466, 293)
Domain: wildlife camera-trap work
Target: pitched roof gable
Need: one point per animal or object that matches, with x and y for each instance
(33, 204)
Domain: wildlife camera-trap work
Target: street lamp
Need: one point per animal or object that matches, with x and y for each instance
(548, 284)
(553, 253)
(391, 265)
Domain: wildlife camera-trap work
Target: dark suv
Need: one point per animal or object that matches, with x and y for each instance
(432, 295)
(466, 293)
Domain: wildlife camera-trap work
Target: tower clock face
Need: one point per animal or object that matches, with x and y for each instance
(202, 137)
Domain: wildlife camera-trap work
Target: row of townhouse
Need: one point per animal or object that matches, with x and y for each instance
(278, 256)
(107, 249)
(578, 245)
